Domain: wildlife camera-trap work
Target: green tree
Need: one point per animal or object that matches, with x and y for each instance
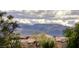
(8, 36)
(73, 36)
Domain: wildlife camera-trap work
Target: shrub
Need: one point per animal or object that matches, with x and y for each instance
(8, 36)
(73, 36)
(46, 42)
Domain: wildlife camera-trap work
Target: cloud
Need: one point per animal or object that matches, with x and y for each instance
(45, 16)
(61, 13)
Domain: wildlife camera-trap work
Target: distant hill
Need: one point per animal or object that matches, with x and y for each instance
(52, 29)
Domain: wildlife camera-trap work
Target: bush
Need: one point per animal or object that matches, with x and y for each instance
(46, 42)
(9, 38)
(73, 36)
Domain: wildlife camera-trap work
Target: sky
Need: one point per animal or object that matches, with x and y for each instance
(46, 14)
(63, 17)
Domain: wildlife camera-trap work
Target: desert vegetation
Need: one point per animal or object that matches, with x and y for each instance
(8, 36)
(73, 36)
(45, 41)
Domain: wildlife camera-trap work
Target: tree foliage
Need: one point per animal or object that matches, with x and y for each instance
(73, 36)
(8, 36)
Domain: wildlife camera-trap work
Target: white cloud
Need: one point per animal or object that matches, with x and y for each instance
(48, 17)
(60, 13)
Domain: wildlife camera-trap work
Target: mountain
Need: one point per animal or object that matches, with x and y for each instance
(52, 29)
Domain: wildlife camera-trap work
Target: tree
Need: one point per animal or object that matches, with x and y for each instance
(73, 36)
(8, 36)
